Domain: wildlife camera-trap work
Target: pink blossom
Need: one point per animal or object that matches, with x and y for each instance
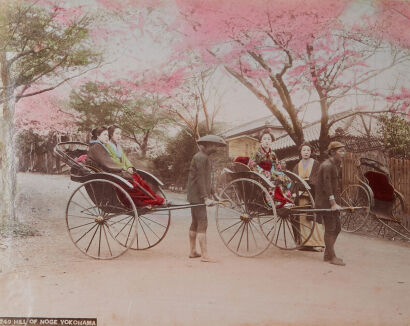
(393, 21)
(42, 114)
(298, 70)
(66, 16)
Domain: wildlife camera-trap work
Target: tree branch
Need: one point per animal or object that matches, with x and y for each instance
(333, 121)
(18, 97)
(272, 107)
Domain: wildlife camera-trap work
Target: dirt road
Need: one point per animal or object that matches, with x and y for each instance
(46, 276)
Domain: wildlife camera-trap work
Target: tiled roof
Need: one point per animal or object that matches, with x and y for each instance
(352, 126)
(249, 127)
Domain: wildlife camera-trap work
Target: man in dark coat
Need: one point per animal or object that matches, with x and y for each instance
(328, 196)
(199, 192)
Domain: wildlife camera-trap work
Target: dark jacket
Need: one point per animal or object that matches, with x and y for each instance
(313, 173)
(327, 183)
(99, 157)
(311, 181)
(199, 178)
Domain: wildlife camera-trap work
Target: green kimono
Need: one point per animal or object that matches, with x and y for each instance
(118, 156)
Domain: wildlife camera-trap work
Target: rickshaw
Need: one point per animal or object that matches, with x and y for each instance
(102, 219)
(250, 220)
(103, 222)
(386, 213)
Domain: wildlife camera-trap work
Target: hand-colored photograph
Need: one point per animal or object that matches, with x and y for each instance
(204, 162)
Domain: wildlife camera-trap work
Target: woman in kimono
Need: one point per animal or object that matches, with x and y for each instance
(307, 169)
(100, 156)
(115, 150)
(265, 162)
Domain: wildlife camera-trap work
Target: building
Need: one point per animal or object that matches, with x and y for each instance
(359, 132)
(243, 140)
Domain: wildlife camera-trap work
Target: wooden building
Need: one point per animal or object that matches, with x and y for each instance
(359, 132)
(243, 140)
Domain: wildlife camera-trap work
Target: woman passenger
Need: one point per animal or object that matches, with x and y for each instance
(100, 155)
(115, 149)
(265, 162)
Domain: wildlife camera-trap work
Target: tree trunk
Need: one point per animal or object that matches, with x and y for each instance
(144, 145)
(8, 166)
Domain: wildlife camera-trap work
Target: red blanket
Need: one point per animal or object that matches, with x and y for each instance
(139, 197)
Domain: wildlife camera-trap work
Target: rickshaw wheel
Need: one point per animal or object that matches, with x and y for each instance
(294, 229)
(245, 225)
(152, 226)
(355, 196)
(397, 223)
(101, 219)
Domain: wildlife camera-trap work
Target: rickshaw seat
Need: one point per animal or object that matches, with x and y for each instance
(241, 165)
(242, 159)
(380, 185)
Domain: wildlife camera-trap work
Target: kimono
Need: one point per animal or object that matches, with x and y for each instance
(308, 172)
(118, 156)
(100, 157)
(264, 162)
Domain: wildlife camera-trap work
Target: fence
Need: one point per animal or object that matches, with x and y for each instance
(399, 172)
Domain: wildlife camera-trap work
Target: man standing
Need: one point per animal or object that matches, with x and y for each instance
(327, 196)
(199, 192)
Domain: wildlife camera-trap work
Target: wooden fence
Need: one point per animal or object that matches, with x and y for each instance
(399, 172)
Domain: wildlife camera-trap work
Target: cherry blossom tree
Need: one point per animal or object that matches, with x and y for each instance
(285, 52)
(392, 19)
(44, 113)
(42, 45)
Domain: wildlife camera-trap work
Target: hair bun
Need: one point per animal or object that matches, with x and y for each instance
(94, 132)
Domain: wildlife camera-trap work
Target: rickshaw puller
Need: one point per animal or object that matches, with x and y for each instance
(199, 192)
(327, 196)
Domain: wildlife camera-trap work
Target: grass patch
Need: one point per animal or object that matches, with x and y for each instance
(13, 229)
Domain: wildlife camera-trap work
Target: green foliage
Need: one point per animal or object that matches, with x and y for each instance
(172, 167)
(97, 105)
(396, 135)
(42, 47)
(144, 115)
(140, 117)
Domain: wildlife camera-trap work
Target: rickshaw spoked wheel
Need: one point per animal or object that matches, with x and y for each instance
(397, 223)
(245, 225)
(101, 219)
(294, 229)
(152, 226)
(355, 196)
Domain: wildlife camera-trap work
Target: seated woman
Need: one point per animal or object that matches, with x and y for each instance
(265, 162)
(99, 156)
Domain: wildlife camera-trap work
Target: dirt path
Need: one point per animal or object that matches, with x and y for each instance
(46, 276)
